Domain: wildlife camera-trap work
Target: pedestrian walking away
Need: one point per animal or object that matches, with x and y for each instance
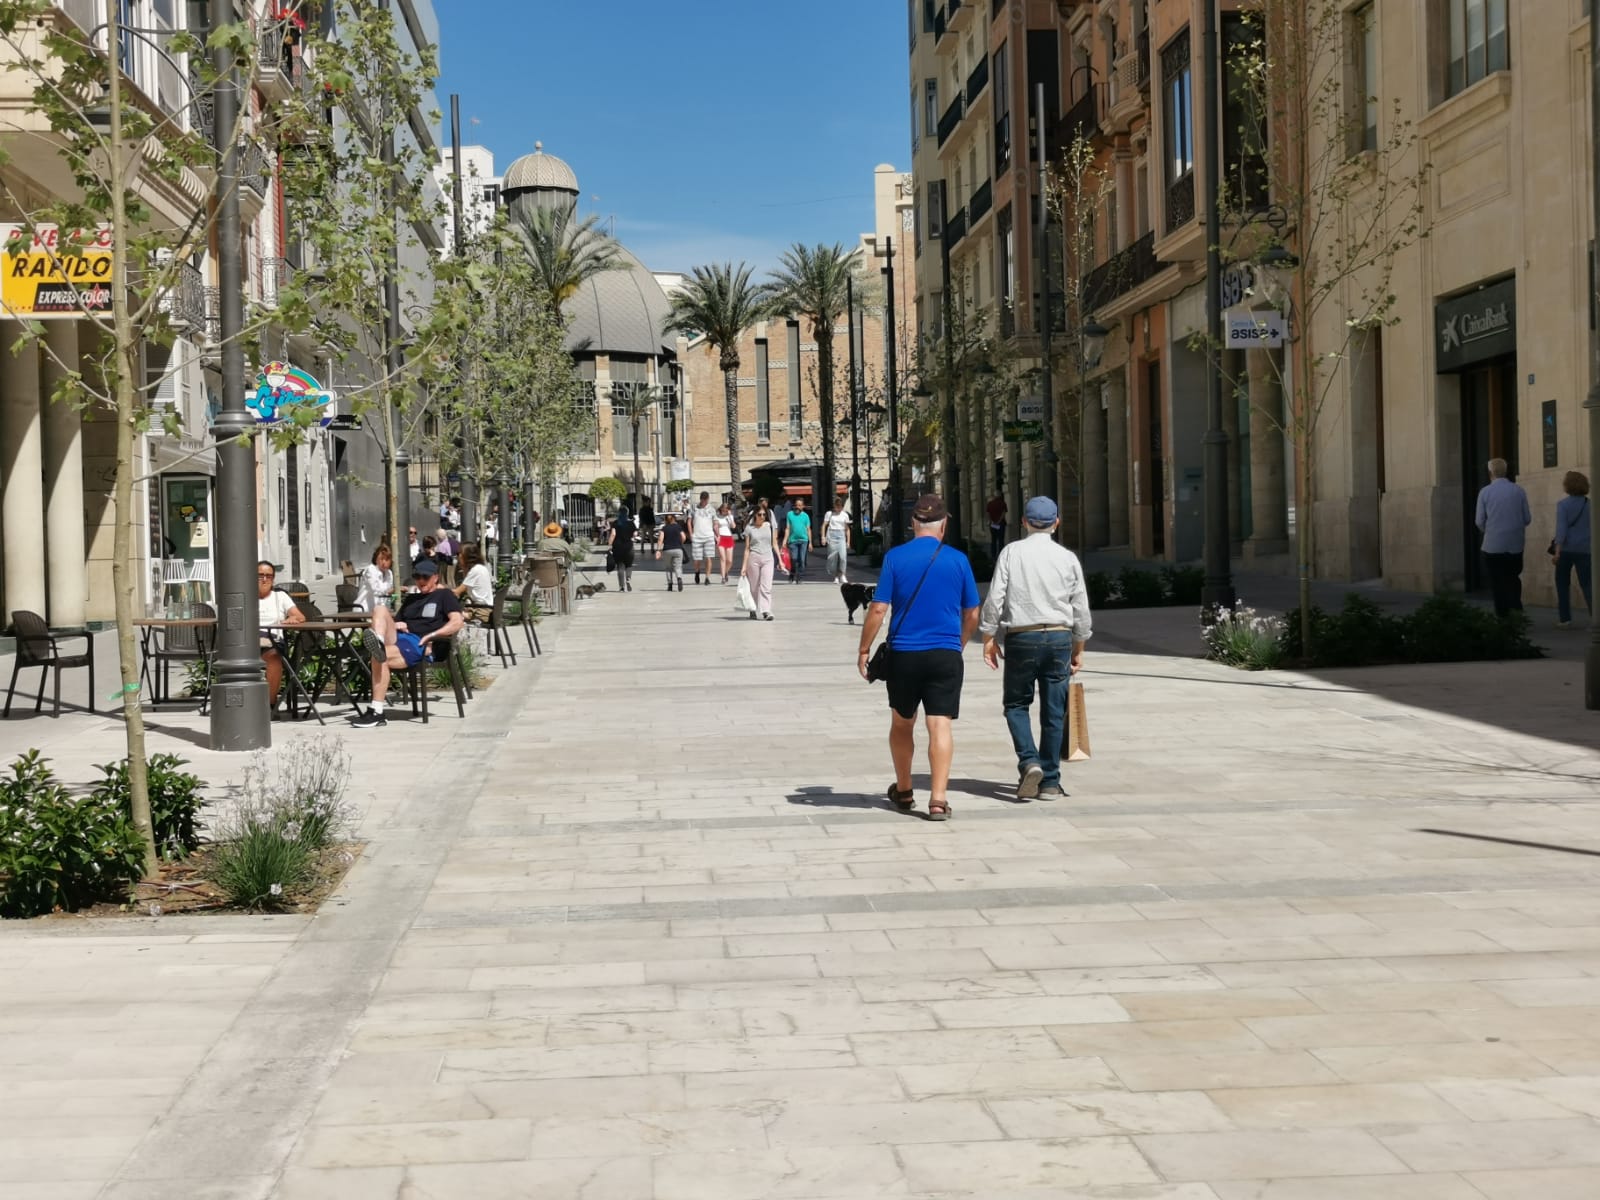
(934, 597)
(703, 537)
(1503, 517)
(760, 555)
(669, 542)
(621, 543)
(727, 534)
(1572, 548)
(836, 537)
(996, 510)
(798, 537)
(1036, 619)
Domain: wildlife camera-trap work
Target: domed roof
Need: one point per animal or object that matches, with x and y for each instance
(623, 311)
(539, 170)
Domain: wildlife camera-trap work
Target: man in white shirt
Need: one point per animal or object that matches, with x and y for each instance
(1039, 597)
(703, 538)
(277, 609)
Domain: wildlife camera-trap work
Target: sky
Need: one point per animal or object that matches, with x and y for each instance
(709, 130)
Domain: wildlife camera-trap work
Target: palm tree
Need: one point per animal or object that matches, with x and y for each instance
(812, 281)
(634, 401)
(564, 250)
(720, 302)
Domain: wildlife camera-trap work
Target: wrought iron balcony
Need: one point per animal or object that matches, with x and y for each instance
(1122, 272)
(955, 227)
(951, 118)
(1180, 202)
(978, 80)
(185, 302)
(982, 200)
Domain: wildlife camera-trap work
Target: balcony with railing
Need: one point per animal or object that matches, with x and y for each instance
(1180, 202)
(980, 204)
(1122, 272)
(185, 302)
(951, 119)
(977, 81)
(955, 228)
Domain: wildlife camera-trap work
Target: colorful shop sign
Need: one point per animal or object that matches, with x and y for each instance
(280, 385)
(44, 274)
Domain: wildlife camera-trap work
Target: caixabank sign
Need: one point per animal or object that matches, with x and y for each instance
(1477, 327)
(45, 273)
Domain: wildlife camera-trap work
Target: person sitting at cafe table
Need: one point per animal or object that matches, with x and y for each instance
(397, 641)
(277, 608)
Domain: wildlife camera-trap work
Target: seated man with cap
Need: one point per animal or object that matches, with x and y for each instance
(400, 640)
(1038, 596)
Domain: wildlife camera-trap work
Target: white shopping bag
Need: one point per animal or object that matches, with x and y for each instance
(747, 601)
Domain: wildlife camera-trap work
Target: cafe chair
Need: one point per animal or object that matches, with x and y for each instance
(185, 644)
(38, 647)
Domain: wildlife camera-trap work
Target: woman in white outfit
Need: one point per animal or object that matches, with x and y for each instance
(375, 588)
(758, 562)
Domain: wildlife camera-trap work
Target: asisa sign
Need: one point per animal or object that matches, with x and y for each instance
(280, 385)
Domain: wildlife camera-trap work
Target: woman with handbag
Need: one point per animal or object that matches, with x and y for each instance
(621, 543)
(759, 553)
(1571, 549)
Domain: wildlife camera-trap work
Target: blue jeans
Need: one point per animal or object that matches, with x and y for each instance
(1044, 659)
(1566, 563)
(797, 558)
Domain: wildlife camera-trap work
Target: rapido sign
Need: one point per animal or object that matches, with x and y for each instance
(45, 274)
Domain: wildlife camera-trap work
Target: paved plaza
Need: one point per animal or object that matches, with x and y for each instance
(642, 928)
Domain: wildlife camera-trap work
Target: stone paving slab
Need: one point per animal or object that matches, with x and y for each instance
(641, 929)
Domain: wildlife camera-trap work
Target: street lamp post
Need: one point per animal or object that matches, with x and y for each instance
(897, 518)
(1218, 589)
(239, 716)
(1591, 659)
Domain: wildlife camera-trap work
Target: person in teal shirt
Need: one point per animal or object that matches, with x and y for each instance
(799, 539)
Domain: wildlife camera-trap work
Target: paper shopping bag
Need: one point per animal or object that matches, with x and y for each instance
(1077, 724)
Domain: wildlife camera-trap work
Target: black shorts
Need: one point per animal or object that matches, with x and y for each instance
(929, 679)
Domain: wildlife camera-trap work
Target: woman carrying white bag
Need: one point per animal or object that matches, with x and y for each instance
(755, 580)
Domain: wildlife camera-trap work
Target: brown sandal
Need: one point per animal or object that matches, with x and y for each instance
(905, 801)
(938, 810)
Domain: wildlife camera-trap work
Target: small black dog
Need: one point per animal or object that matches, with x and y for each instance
(856, 595)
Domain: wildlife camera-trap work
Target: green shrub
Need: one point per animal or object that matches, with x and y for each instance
(1184, 585)
(58, 850)
(175, 801)
(1241, 638)
(1140, 589)
(1100, 587)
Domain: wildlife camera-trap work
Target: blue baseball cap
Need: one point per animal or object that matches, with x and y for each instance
(1040, 511)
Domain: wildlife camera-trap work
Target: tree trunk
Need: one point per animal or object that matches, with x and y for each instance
(122, 564)
(730, 397)
(824, 335)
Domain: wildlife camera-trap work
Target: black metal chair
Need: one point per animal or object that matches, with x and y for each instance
(184, 644)
(38, 647)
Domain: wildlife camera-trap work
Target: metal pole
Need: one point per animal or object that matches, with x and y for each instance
(239, 716)
(1041, 234)
(855, 408)
(1218, 589)
(947, 422)
(1591, 659)
(897, 517)
(469, 479)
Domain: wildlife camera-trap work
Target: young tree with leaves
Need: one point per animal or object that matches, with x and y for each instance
(1354, 200)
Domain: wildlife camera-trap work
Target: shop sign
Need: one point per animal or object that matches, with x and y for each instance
(280, 385)
(1475, 328)
(1023, 431)
(44, 275)
(1253, 330)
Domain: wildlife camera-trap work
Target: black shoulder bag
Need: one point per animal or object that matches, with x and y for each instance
(881, 665)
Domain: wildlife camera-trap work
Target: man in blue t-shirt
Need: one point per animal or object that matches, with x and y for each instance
(934, 596)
